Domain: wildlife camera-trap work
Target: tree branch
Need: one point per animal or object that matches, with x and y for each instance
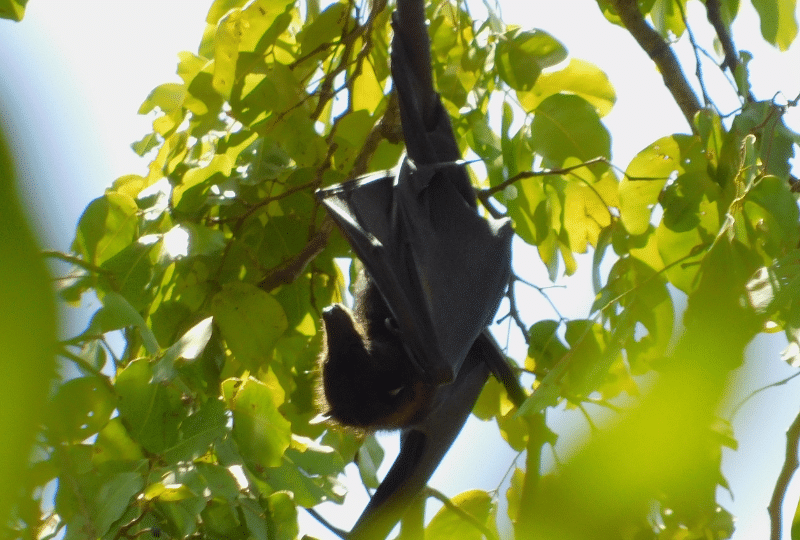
(731, 61)
(662, 56)
(484, 194)
(714, 16)
(790, 464)
(293, 267)
(538, 436)
(324, 522)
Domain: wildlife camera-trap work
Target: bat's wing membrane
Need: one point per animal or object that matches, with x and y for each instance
(413, 242)
(422, 447)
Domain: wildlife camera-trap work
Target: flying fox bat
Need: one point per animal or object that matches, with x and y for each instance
(415, 353)
(441, 268)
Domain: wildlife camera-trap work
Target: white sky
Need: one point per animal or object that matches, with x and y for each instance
(73, 74)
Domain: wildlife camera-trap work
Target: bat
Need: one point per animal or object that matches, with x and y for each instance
(377, 396)
(414, 353)
(441, 268)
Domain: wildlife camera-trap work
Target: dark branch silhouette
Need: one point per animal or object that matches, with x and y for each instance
(661, 54)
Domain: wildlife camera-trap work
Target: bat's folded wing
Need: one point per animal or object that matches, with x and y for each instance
(441, 267)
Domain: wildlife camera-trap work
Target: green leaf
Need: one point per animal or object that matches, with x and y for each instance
(144, 145)
(514, 493)
(27, 333)
(667, 19)
(131, 272)
(587, 207)
(448, 524)
(107, 226)
(226, 51)
(257, 526)
(521, 56)
(80, 408)
(692, 218)
(167, 97)
(545, 395)
(251, 321)
(114, 445)
(771, 211)
(580, 78)
(566, 126)
(545, 349)
(198, 432)
(481, 138)
(778, 21)
(369, 457)
(153, 412)
(649, 171)
(282, 512)
(488, 404)
(114, 496)
(181, 515)
(323, 28)
(529, 224)
(306, 491)
(219, 8)
(314, 458)
(796, 523)
(190, 195)
(260, 431)
(189, 347)
(773, 139)
(591, 354)
(12, 9)
(117, 313)
(263, 21)
(367, 90)
(167, 493)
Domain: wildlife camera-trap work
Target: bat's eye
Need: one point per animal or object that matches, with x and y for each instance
(391, 325)
(396, 391)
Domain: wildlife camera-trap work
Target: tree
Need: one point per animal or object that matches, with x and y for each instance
(216, 265)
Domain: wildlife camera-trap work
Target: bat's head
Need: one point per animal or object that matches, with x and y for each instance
(365, 384)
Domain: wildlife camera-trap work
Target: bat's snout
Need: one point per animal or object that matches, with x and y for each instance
(333, 313)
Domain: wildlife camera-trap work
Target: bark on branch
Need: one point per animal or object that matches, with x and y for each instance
(661, 54)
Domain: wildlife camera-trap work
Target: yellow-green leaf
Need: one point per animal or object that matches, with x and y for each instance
(778, 21)
(580, 78)
(448, 524)
(261, 432)
(250, 320)
(107, 226)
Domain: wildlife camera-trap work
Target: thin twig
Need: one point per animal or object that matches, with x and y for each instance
(714, 15)
(338, 532)
(513, 312)
(484, 194)
(293, 267)
(787, 471)
(77, 261)
(698, 70)
(88, 368)
(752, 394)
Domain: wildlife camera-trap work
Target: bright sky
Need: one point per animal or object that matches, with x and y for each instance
(73, 74)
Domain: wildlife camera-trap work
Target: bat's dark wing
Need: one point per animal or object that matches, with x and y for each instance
(423, 446)
(441, 267)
